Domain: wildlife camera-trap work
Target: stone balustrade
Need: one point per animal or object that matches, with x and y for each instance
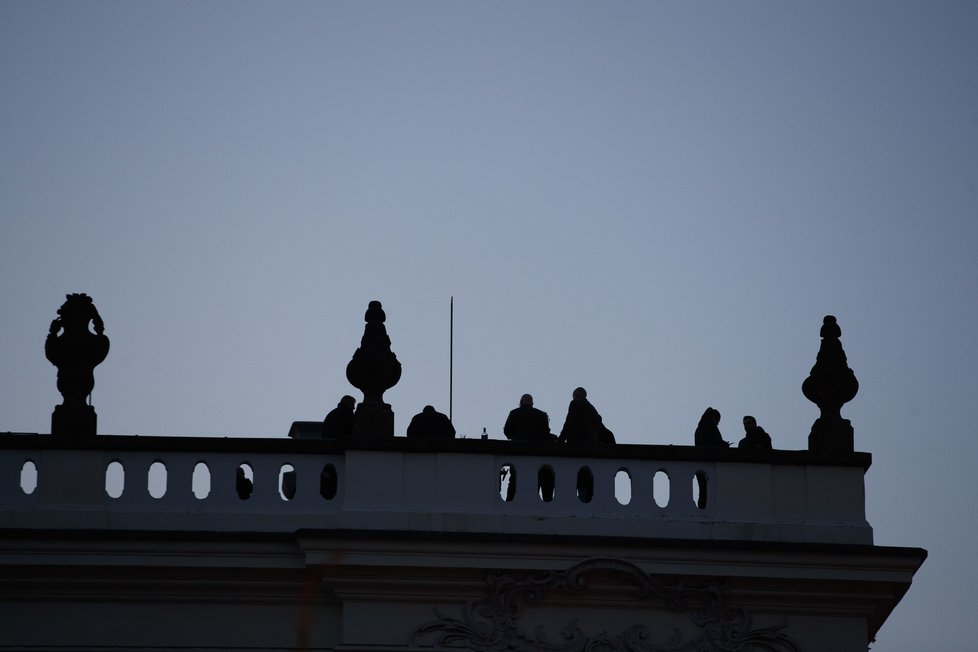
(155, 484)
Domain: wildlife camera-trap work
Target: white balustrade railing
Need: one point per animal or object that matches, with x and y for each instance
(193, 484)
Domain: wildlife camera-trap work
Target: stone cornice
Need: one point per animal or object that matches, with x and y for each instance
(149, 443)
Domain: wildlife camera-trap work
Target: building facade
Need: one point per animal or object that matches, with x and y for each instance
(166, 543)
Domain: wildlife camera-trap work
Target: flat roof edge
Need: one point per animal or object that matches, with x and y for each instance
(675, 452)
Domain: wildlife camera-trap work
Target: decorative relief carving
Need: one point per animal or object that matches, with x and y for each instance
(492, 623)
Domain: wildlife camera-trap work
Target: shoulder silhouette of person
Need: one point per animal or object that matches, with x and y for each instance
(707, 435)
(754, 435)
(527, 423)
(708, 430)
(242, 484)
(429, 423)
(583, 424)
(338, 423)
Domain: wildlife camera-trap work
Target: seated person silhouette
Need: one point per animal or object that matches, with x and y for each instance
(430, 424)
(338, 424)
(583, 423)
(527, 423)
(708, 431)
(754, 435)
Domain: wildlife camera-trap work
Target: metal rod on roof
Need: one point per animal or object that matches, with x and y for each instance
(451, 350)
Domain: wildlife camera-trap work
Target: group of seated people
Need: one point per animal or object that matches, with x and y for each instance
(583, 424)
(527, 423)
(708, 432)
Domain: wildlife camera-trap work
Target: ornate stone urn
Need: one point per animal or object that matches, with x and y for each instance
(830, 385)
(76, 351)
(373, 370)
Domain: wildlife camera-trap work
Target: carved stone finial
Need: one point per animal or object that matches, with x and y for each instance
(373, 370)
(76, 351)
(830, 385)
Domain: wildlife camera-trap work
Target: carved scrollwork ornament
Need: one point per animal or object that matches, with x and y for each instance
(492, 624)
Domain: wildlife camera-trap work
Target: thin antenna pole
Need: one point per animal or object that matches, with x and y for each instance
(451, 351)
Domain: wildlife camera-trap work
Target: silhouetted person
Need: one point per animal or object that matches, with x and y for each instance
(754, 435)
(430, 423)
(338, 424)
(708, 436)
(708, 430)
(242, 484)
(583, 423)
(527, 423)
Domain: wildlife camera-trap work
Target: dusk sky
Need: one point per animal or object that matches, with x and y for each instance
(656, 201)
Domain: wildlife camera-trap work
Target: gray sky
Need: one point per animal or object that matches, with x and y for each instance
(657, 201)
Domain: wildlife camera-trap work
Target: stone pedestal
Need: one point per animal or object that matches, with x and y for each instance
(831, 434)
(74, 421)
(373, 420)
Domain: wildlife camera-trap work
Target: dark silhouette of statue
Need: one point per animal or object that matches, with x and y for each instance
(708, 430)
(76, 351)
(431, 424)
(830, 385)
(338, 423)
(754, 435)
(373, 370)
(583, 424)
(527, 423)
(707, 435)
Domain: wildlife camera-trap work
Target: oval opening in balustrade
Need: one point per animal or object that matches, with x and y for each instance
(244, 481)
(115, 479)
(700, 483)
(28, 477)
(623, 486)
(507, 482)
(660, 488)
(585, 485)
(286, 482)
(328, 481)
(546, 481)
(201, 481)
(156, 479)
